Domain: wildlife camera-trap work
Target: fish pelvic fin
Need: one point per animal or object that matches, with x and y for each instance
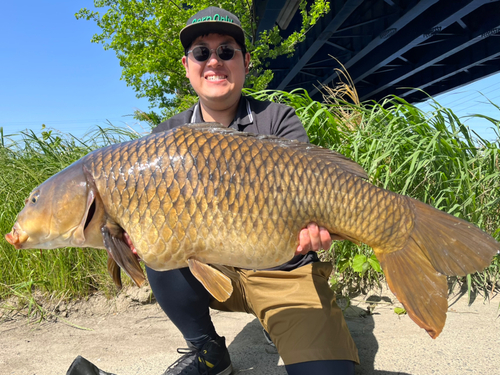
(121, 254)
(217, 284)
(438, 245)
(228, 271)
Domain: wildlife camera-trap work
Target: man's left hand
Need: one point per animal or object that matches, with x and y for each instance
(314, 238)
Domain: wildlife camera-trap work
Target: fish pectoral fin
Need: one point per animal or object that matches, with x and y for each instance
(217, 284)
(421, 289)
(114, 271)
(121, 253)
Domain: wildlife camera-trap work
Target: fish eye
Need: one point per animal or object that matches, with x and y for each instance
(34, 197)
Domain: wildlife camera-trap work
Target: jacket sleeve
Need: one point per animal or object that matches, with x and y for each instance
(288, 125)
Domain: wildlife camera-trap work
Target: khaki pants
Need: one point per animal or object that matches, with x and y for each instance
(298, 310)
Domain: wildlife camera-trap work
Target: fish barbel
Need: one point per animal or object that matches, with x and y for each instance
(203, 195)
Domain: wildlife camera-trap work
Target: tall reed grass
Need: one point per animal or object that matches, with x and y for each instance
(430, 156)
(27, 159)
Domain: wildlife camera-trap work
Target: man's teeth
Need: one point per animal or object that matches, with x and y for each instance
(214, 78)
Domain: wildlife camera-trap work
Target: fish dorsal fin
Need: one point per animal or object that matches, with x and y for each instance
(209, 125)
(325, 154)
(218, 284)
(341, 161)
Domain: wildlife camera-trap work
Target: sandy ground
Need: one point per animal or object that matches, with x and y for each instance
(128, 336)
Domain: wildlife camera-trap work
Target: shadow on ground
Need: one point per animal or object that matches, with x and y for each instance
(251, 354)
(361, 324)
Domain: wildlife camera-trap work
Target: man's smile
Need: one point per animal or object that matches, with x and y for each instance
(215, 77)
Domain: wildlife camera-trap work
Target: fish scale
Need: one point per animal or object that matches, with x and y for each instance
(203, 195)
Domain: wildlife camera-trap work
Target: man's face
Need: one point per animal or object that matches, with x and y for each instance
(218, 83)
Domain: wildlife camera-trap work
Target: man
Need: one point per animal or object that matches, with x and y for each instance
(293, 301)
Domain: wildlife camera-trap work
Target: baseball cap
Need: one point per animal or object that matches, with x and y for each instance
(212, 20)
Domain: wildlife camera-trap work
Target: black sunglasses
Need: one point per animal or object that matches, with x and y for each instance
(225, 53)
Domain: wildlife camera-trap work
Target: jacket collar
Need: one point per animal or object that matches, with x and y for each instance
(243, 116)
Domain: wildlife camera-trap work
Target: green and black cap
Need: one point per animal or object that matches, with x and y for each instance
(212, 20)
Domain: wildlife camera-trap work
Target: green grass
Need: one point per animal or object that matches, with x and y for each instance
(430, 156)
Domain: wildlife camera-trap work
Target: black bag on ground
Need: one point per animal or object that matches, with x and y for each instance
(81, 366)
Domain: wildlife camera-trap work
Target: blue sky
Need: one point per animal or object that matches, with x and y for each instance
(473, 99)
(51, 74)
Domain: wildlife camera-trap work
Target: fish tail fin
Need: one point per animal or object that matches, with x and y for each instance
(453, 246)
(439, 245)
(418, 286)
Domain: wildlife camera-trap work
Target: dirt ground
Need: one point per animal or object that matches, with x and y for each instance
(128, 335)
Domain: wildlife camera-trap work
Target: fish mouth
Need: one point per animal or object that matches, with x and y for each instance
(17, 237)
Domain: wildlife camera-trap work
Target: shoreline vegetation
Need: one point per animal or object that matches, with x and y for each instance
(431, 156)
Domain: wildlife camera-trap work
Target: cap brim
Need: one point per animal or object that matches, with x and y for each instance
(189, 33)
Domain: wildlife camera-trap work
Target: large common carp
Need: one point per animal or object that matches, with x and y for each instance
(204, 195)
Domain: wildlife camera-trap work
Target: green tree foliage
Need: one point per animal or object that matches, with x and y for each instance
(145, 36)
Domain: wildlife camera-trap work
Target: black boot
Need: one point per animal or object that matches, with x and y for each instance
(211, 359)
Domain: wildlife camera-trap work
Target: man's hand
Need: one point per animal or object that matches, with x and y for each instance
(314, 238)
